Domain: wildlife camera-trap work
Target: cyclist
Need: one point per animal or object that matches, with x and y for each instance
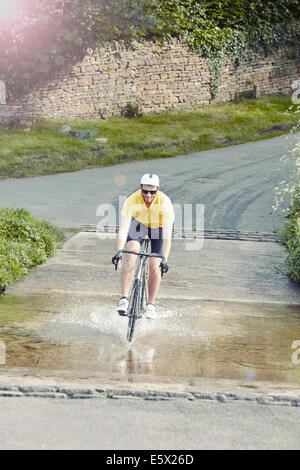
(147, 212)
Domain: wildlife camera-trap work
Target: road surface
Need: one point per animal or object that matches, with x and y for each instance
(235, 184)
(133, 424)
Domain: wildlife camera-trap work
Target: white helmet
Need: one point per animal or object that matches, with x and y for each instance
(149, 179)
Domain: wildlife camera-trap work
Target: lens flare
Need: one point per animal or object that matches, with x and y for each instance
(8, 8)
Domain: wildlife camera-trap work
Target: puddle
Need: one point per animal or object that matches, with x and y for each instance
(83, 337)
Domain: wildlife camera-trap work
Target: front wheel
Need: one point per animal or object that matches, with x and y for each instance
(144, 291)
(133, 309)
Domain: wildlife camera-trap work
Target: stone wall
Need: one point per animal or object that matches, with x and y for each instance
(158, 78)
(10, 113)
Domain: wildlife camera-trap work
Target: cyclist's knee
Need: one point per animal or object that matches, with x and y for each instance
(154, 265)
(129, 261)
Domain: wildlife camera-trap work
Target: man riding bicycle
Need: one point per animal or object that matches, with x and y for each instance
(147, 212)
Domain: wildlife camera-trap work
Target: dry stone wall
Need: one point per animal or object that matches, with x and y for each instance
(10, 113)
(158, 78)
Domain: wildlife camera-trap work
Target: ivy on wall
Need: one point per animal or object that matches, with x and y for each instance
(230, 28)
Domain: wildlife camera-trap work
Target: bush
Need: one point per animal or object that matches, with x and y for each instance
(288, 193)
(132, 110)
(25, 242)
(290, 238)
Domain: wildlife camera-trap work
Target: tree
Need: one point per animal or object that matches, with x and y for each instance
(47, 35)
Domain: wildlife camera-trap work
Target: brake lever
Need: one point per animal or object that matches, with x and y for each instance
(162, 271)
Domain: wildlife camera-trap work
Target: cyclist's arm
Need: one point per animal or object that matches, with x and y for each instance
(167, 238)
(123, 232)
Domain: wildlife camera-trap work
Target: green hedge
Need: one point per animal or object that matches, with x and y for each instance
(290, 238)
(25, 242)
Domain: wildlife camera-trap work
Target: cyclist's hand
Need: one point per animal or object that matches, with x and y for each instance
(164, 266)
(115, 260)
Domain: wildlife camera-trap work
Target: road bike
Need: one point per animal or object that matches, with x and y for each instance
(138, 297)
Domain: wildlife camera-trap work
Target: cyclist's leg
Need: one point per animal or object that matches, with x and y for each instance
(154, 263)
(129, 262)
(154, 279)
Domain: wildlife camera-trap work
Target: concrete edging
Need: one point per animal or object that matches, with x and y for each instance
(67, 392)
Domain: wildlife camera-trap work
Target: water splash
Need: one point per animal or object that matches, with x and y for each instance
(108, 323)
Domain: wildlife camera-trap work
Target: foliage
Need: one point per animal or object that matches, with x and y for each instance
(290, 237)
(24, 243)
(212, 25)
(132, 110)
(48, 35)
(227, 28)
(287, 199)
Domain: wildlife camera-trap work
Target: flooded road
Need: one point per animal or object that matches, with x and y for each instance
(82, 337)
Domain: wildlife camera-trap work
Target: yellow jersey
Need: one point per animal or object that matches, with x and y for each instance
(156, 215)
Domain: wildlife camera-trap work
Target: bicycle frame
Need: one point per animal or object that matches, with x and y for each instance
(138, 293)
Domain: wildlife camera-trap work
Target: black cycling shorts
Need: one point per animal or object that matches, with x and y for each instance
(138, 232)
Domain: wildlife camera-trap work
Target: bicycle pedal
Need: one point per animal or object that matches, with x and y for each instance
(123, 314)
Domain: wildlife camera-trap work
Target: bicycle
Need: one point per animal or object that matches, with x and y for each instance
(139, 291)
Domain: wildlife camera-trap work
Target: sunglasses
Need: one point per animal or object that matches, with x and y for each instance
(145, 191)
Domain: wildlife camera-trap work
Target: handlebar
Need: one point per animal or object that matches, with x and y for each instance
(141, 253)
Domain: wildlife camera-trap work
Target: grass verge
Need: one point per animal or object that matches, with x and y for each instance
(43, 151)
(25, 242)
